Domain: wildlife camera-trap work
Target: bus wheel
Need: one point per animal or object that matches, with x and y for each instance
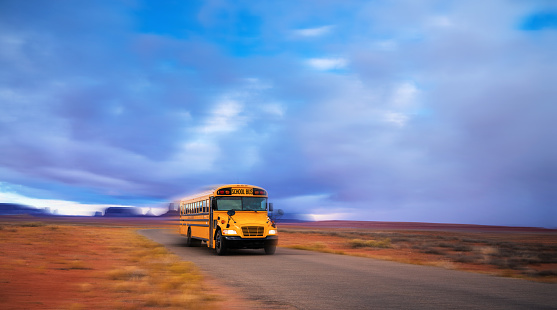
(270, 249)
(188, 238)
(191, 241)
(220, 246)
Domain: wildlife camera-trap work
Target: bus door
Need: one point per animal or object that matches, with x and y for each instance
(211, 222)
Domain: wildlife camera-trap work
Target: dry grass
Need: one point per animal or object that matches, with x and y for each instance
(359, 243)
(522, 255)
(316, 246)
(89, 267)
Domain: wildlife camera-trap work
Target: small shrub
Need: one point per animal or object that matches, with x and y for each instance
(462, 248)
(359, 243)
(182, 267)
(8, 229)
(466, 259)
(445, 245)
(433, 251)
(128, 273)
(546, 273)
(317, 246)
(78, 264)
(547, 258)
(400, 239)
(32, 224)
(500, 263)
(314, 246)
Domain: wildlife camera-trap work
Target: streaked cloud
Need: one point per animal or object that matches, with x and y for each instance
(356, 110)
(328, 63)
(314, 32)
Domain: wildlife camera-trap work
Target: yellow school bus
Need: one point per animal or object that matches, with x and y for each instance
(232, 216)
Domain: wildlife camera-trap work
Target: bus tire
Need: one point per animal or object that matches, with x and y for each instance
(220, 245)
(191, 241)
(270, 249)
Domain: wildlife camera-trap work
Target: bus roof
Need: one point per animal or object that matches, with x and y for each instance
(211, 190)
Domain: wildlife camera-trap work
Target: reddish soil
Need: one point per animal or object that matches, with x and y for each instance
(52, 271)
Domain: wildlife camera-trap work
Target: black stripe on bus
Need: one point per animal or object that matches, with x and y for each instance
(194, 214)
(199, 225)
(195, 220)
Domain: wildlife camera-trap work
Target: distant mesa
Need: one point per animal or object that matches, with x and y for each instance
(172, 211)
(122, 212)
(19, 209)
(149, 213)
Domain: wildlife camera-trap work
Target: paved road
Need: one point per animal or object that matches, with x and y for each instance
(310, 280)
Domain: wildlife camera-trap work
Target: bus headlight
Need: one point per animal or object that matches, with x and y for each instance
(272, 231)
(229, 232)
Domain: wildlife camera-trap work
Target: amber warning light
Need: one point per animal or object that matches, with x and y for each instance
(224, 191)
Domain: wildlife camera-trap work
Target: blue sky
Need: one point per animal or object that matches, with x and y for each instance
(430, 111)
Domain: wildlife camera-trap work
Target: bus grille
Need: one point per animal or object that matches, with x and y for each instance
(253, 231)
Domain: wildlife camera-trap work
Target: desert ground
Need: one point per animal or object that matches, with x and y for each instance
(102, 263)
(520, 252)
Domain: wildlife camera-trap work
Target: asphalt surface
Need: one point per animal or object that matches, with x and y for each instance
(310, 280)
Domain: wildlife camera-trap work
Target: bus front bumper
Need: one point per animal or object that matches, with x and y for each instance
(236, 242)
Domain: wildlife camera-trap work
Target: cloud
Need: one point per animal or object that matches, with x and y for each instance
(314, 32)
(396, 118)
(327, 63)
(440, 21)
(61, 207)
(226, 117)
(431, 113)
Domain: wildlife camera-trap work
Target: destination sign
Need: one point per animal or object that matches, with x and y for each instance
(242, 191)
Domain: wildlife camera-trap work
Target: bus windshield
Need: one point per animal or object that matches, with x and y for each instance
(241, 203)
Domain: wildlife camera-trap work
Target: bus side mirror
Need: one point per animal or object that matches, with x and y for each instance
(271, 206)
(231, 212)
